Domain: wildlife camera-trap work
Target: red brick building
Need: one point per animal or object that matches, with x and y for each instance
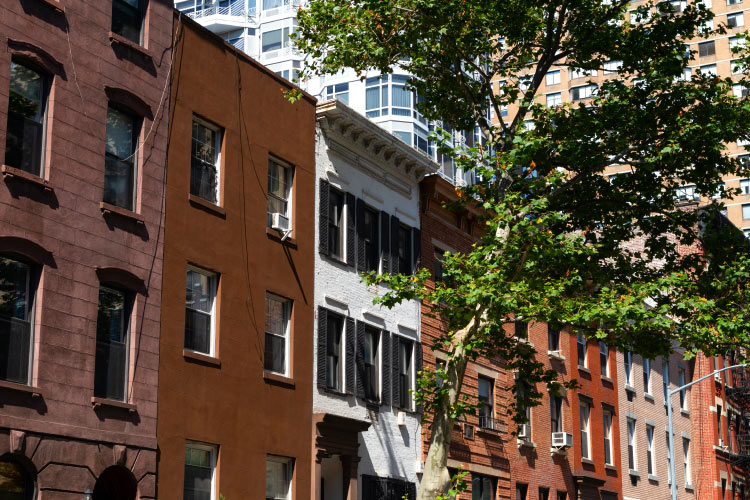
(83, 121)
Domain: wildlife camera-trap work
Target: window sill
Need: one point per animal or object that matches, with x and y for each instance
(610, 467)
(584, 369)
(685, 413)
(689, 487)
(525, 443)
(206, 205)
(276, 379)
(35, 392)
(276, 235)
(607, 379)
(629, 388)
(526, 342)
(12, 173)
(559, 452)
(489, 431)
(53, 4)
(649, 396)
(104, 402)
(115, 39)
(556, 355)
(587, 461)
(653, 478)
(108, 209)
(634, 473)
(201, 358)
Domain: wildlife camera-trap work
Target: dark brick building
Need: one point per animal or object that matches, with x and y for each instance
(83, 121)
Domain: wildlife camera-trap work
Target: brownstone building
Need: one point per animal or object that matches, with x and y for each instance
(235, 389)
(83, 123)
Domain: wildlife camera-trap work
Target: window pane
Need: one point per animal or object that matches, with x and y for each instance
(119, 166)
(15, 324)
(24, 141)
(198, 473)
(111, 345)
(272, 40)
(127, 19)
(278, 478)
(204, 167)
(199, 306)
(333, 356)
(277, 327)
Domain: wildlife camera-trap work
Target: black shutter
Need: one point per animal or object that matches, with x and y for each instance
(411, 491)
(360, 236)
(385, 368)
(385, 241)
(395, 389)
(322, 345)
(323, 217)
(360, 359)
(418, 367)
(349, 355)
(394, 244)
(417, 248)
(350, 237)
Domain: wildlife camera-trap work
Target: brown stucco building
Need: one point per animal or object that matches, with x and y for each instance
(236, 348)
(84, 127)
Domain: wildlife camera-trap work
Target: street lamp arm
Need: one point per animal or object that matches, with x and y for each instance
(715, 372)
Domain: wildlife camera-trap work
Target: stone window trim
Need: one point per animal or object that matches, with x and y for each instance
(27, 249)
(98, 402)
(119, 40)
(29, 53)
(122, 278)
(56, 5)
(123, 98)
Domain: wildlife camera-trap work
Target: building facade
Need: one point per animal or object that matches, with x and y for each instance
(365, 423)
(83, 121)
(237, 309)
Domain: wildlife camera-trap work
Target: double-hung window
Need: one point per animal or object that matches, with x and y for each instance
(554, 99)
(665, 379)
(628, 358)
(120, 158)
(371, 239)
(276, 353)
(582, 92)
(681, 380)
(604, 359)
(555, 413)
(280, 177)
(371, 372)
(112, 342)
(339, 91)
(437, 270)
(27, 112)
(686, 459)
(646, 375)
(552, 77)
(607, 421)
(650, 461)
(735, 20)
(483, 487)
(400, 96)
(521, 330)
(127, 19)
(278, 477)
(376, 96)
(706, 49)
(524, 430)
(669, 461)
(404, 250)
(336, 223)
(200, 471)
(631, 444)
(719, 430)
(553, 339)
(205, 165)
(485, 394)
(334, 357)
(200, 311)
(16, 325)
(405, 349)
(585, 409)
(581, 350)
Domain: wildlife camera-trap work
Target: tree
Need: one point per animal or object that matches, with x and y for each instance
(617, 259)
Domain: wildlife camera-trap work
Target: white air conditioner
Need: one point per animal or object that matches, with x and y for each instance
(401, 418)
(524, 432)
(717, 377)
(279, 222)
(562, 440)
(721, 443)
(419, 467)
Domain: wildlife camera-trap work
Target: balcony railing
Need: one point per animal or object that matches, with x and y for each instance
(489, 423)
(236, 9)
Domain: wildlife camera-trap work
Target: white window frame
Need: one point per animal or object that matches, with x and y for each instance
(604, 355)
(287, 311)
(607, 425)
(552, 78)
(289, 170)
(289, 462)
(682, 380)
(585, 362)
(745, 206)
(218, 139)
(708, 69)
(554, 99)
(214, 450)
(628, 363)
(650, 451)
(213, 288)
(632, 443)
(647, 376)
(665, 379)
(611, 67)
(686, 459)
(738, 17)
(585, 408)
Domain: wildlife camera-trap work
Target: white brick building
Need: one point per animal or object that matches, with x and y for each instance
(367, 433)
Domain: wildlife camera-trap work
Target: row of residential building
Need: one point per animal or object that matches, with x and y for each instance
(182, 315)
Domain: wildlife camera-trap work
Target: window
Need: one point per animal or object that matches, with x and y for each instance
(404, 373)
(440, 373)
(733, 2)
(681, 381)
(27, 108)
(669, 461)
(438, 257)
(553, 339)
(112, 339)
(686, 193)
(730, 437)
(720, 431)
(482, 487)
(631, 444)
(554, 99)
(686, 459)
(400, 97)
(376, 96)
(584, 418)
(16, 320)
(522, 491)
(543, 493)
(612, 67)
(119, 169)
(552, 77)
(650, 449)
(278, 313)
(524, 430)
(486, 400)
(581, 348)
(708, 70)
(736, 43)
(336, 223)
(16, 480)
(628, 356)
(200, 311)
(607, 421)
(583, 92)
(604, 358)
(200, 471)
(736, 66)
(204, 161)
(555, 413)
(278, 477)
(562, 495)
(127, 19)
(521, 330)
(574, 73)
(276, 39)
(383, 488)
(735, 20)
(339, 91)
(706, 49)
(371, 236)
(746, 210)
(665, 379)
(334, 370)
(279, 191)
(404, 250)
(647, 375)
(371, 372)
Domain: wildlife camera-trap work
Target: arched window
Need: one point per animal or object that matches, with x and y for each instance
(115, 483)
(16, 479)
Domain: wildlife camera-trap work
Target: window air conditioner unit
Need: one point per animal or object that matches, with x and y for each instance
(279, 222)
(717, 377)
(721, 443)
(562, 440)
(401, 418)
(524, 432)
